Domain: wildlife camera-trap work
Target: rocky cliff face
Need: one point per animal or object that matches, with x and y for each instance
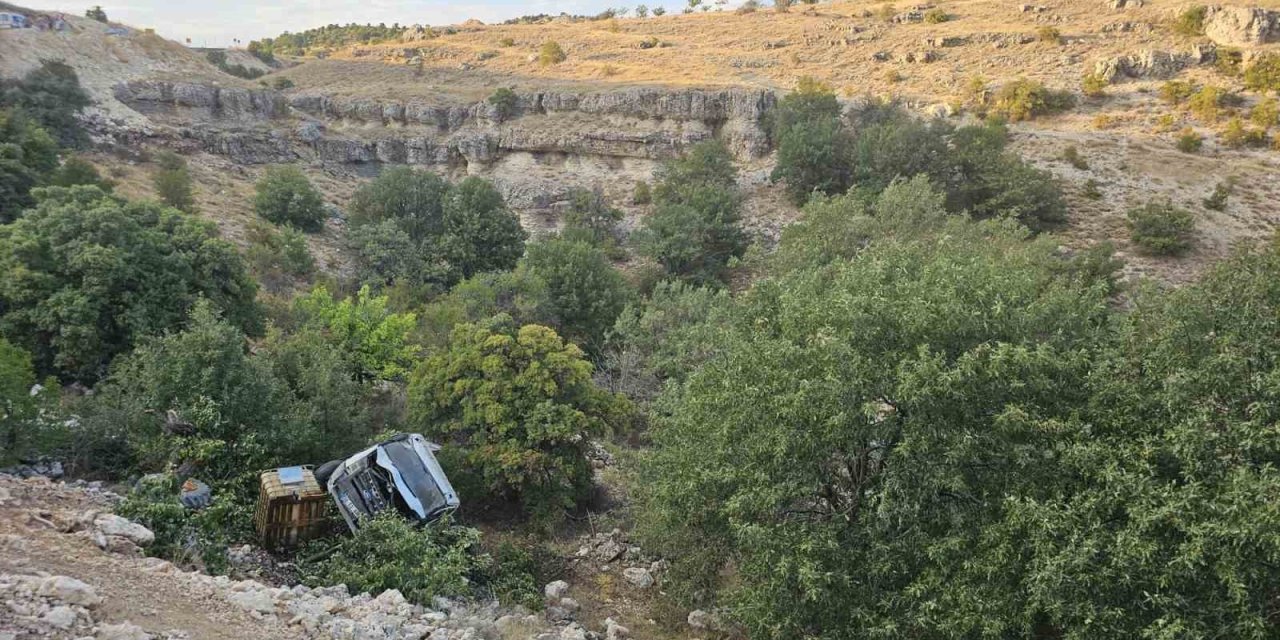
(263, 126)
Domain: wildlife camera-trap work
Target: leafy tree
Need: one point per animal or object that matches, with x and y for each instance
(413, 199)
(891, 144)
(96, 13)
(89, 275)
(53, 97)
(1159, 228)
(173, 182)
(586, 291)
(480, 233)
(694, 232)
(813, 157)
(285, 196)
(21, 404)
(236, 410)
(76, 170)
(27, 155)
(518, 407)
(854, 438)
(590, 218)
(278, 255)
(375, 341)
(520, 295)
(386, 253)
(505, 101)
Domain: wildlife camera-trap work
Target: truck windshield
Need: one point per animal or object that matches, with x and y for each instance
(416, 475)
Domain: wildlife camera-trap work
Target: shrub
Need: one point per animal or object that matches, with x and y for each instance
(96, 13)
(976, 95)
(892, 76)
(1093, 85)
(1191, 21)
(750, 6)
(1071, 155)
(1264, 73)
(1165, 122)
(551, 54)
(276, 254)
(590, 218)
(813, 147)
(1217, 200)
(284, 195)
(1049, 34)
(659, 11)
(1159, 228)
(479, 232)
(1237, 136)
(173, 182)
(504, 101)
(507, 42)
(642, 194)
(516, 407)
(27, 154)
(1092, 189)
(194, 539)
(642, 11)
(586, 291)
(280, 84)
(76, 170)
(1189, 141)
(1229, 61)
(75, 316)
(374, 340)
(1177, 91)
(886, 12)
(936, 16)
(1026, 99)
(24, 409)
(782, 6)
(1207, 103)
(1266, 113)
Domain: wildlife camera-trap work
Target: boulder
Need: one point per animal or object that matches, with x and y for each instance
(111, 524)
(69, 590)
(259, 601)
(61, 617)
(556, 590)
(1241, 26)
(123, 631)
(638, 576)
(615, 631)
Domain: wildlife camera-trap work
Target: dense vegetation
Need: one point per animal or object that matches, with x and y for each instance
(915, 417)
(330, 36)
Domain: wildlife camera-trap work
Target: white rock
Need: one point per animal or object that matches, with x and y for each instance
(573, 632)
(70, 591)
(259, 601)
(123, 631)
(556, 590)
(699, 619)
(390, 599)
(570, 605)
(111, 524)
(62, 617)
(638, 576)
(615, 631)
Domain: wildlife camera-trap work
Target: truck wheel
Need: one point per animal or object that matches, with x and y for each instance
(325, 471)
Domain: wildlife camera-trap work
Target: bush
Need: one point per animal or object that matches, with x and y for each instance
(442, 559)
(590, 218)
(285, 196)
(1266, 113)
(479, 233)
(276, 254)
(518, 407)
(74, 315)
(1049, 34)
(750, 6)
(1229, 61)
(659, 11)
(1207, 103)
(551, 54)
(1237, 136)
(642, 194)
(173, 183)
(78, 171)
(1177, 91)
(1191, 21)
(782, 6)
(280, 84)
(1026, 99)
(1189, 141)
(96, 13)
(1217, 201)
(373, 339)
(1072, 157)
(24, 408)
(1264, 73)
(813, 147)
(507, 42)
(1094, 85)
(1159, 228)
(192, 539)
(586, 291)
(504, 101)
(936, 16)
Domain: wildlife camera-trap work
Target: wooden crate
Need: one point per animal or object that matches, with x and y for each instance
(289, 514)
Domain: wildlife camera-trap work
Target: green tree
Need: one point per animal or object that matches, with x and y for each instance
(173, 182)
(590, 218)
(96, 13)
(27, 155)
(285, 196)
(517, 407)
(586, 291)
(413, 199)
(813, 157)
(375, 341)
(76, 170)
(21, 404)
(695, 232)
(88, 275)
(480, 233)
(520, 295)
(851, 441)
(50, 94)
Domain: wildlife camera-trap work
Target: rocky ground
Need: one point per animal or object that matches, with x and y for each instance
(69, 568)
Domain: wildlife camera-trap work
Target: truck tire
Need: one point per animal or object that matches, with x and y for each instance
(325, 471)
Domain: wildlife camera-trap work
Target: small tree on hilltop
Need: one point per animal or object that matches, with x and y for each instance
(96, 13)
(285, 196)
